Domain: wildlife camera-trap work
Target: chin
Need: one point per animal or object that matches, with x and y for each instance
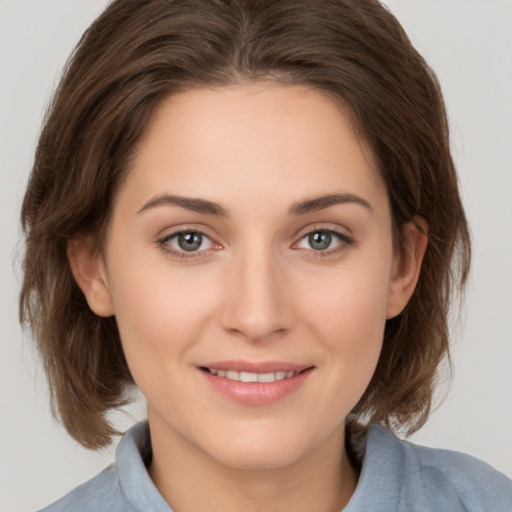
(262, 450)
(258, 457)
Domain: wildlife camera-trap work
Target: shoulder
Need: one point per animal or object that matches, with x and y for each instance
(122, 487)
(408, 477)
(103, 492)
(477, 485)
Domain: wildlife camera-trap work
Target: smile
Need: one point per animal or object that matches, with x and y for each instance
(251, 376)
(256, 384)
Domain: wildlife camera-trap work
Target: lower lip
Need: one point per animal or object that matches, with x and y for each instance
(256, 393)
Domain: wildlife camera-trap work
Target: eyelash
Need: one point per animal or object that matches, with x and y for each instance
(163, 243)
(344, 242)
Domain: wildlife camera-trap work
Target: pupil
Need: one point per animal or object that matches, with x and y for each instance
(320, 241)
(190, 241)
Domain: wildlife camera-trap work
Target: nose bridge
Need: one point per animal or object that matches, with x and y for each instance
(257, 305)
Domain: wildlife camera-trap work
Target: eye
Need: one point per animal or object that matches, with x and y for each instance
(187, 242)
(323, 240)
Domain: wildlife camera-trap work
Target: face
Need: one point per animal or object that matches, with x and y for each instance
(249, 264)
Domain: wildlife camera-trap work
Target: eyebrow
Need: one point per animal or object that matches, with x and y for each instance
(189, 203)
(319, 203)
(210, 208)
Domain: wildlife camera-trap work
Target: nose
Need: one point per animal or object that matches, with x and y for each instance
(258, 303)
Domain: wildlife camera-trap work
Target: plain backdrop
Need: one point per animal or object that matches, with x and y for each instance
(469, 45)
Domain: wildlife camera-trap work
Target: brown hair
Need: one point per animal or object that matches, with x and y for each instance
(140, 51)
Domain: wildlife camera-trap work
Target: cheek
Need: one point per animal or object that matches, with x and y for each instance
(353, 297)
(159, 312)
(347, 311)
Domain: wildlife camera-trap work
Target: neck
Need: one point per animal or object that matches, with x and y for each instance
(323, 480)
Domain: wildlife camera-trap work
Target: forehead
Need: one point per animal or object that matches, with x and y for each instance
(276, 140)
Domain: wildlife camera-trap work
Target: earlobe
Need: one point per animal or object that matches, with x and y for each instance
(407, 265)
(88, 268)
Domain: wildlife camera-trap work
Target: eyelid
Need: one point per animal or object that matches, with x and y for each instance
(345, 241)
(162, 243)
(329, 228)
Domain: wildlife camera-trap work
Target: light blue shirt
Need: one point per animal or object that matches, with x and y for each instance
(396, 476)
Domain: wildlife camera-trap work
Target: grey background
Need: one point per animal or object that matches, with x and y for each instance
(469, 44)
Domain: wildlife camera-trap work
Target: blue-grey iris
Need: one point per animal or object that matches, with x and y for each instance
(190, 241)
(320, 240)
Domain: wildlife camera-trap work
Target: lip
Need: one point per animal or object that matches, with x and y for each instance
(256, 367)
(256, 393)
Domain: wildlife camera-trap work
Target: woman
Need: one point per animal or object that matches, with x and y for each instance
(249, 211)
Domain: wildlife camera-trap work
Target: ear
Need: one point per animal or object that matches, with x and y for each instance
(407, 265)
(88, 268)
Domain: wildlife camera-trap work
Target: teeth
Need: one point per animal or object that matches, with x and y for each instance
(266, 377)
(248, 377)
(253, 377)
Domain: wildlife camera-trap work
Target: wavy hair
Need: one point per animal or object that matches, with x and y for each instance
(138, 52)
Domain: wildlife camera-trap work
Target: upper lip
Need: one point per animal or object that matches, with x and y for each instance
(256, 367)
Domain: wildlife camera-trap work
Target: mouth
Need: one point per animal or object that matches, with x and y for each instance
(253, 376)
(256, 384)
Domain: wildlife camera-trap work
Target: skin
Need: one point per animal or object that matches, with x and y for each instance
(256, 290)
